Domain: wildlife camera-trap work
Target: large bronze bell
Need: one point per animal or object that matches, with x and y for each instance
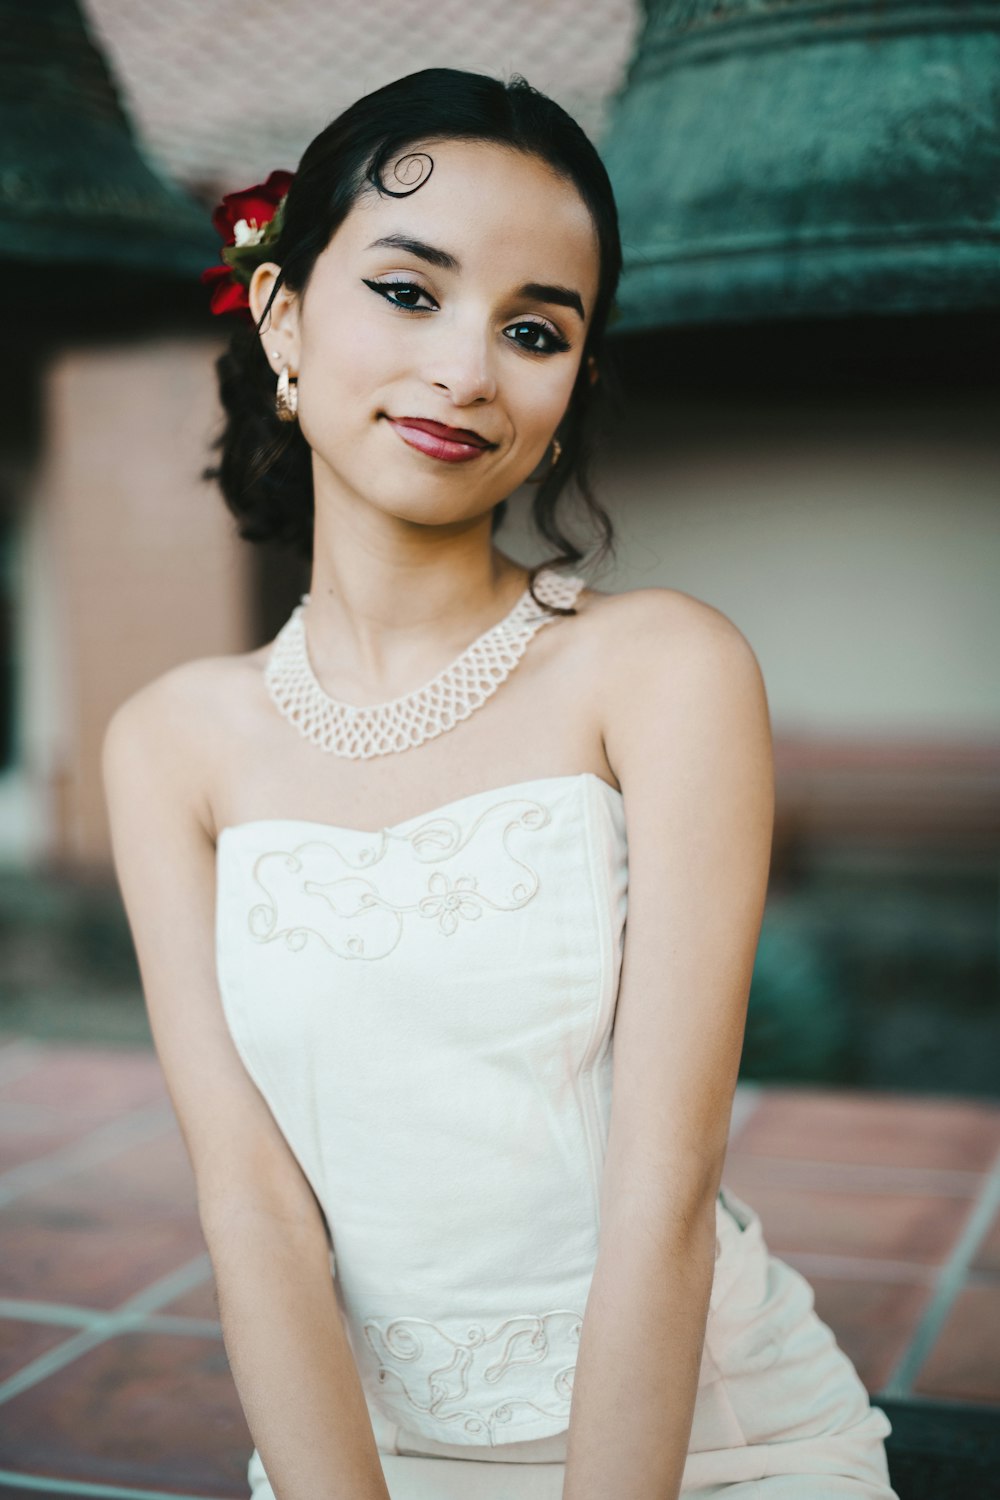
(808, 158)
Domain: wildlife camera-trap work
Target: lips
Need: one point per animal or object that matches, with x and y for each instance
(439, 430)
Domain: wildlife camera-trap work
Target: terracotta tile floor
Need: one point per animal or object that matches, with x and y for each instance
(113, 1374)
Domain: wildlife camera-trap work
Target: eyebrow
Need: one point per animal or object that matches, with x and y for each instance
(540, 291)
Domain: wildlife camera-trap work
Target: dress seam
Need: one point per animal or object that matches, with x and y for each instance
(586, 1093)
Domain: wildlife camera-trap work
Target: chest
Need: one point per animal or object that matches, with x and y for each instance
(494, 921)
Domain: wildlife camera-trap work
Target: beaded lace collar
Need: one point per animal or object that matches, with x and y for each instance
(456, 692)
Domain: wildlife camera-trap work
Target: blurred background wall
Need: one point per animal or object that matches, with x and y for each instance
(806, 437)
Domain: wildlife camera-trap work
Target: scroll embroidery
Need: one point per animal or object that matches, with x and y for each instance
(432, 1372)
(356, 916)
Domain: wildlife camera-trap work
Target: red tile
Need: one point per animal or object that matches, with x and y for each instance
(150, 1178)
(30, 1130)
(89, 1083)
(873, 1128)
(61, 1259)
(794, 1174)
(150, 1411)
(911, 1227)
(100, 1235)
(873, 1320)
(18, 1493)
(965, 1361)
(21, 1342)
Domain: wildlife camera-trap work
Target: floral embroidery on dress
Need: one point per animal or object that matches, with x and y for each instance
(356, 917)
(449, 901)
(419, 1364)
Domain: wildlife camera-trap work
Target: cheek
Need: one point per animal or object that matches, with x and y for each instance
(345, 366)
(538, 407)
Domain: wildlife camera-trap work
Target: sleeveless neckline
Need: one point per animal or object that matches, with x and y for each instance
(432, 812)
(360, 731)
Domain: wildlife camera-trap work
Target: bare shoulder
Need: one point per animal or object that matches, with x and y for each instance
(661, 619)
(174, 729)
(220, 681)
(671, 666)
(639, 635)
(182, 701)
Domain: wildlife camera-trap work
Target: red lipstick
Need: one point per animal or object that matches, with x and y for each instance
(452, 444)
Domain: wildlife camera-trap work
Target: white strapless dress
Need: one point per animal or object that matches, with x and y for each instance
(428, 1012)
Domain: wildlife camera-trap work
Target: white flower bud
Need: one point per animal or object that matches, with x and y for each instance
(245, 233)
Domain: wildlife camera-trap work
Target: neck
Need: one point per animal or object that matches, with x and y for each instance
(380, 618)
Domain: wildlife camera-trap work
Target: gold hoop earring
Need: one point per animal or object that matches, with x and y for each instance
(286, 397)
(556, 454)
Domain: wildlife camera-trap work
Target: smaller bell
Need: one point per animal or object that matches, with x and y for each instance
(75, 189)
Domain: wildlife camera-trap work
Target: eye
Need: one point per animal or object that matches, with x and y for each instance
(556, 344)
(393, 290)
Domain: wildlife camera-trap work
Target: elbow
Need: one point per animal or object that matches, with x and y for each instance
(669, 1223)
(233, 1218)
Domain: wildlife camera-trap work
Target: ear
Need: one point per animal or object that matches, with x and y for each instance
(280, 333)
(592, 369)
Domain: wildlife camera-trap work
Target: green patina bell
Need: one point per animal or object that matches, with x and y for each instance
(75, 190)
(804, 158)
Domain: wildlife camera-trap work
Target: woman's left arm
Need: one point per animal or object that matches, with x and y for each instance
(688, 734)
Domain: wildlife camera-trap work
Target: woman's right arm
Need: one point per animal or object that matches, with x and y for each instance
(293, 1366)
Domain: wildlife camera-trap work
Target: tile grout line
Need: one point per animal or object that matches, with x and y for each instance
(746, 1101)
(174, 1284)
(861, 1268)
(862, 1177)
(80, 1487)
(64, 1315)
(55, 1359)
(121, 1319)
(68, 1314)
(949, 1283)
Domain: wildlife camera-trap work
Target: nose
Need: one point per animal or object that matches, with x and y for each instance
(461, 363)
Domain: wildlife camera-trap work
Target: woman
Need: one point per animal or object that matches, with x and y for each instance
(451, 1260)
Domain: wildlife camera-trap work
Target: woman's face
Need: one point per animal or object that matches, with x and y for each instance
(465, 303)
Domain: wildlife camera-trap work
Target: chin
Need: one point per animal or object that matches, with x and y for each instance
(435, 510)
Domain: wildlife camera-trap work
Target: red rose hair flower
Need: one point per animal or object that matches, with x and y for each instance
(249, 222)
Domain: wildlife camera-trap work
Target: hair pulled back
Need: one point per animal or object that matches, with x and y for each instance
(265, 468)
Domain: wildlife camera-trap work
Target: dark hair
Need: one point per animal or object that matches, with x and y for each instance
(265, 469)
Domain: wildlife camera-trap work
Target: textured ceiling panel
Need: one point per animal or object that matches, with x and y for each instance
(223, 92)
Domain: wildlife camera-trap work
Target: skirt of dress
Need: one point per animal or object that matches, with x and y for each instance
(780, 1414)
